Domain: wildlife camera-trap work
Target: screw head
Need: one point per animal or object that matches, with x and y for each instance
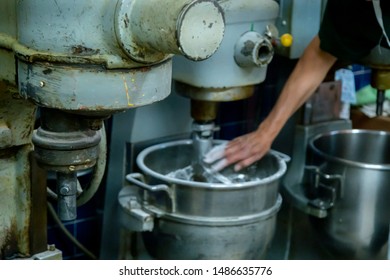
(64, 190)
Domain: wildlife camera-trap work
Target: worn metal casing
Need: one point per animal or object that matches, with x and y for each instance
(221, 70)
(65, 48)
(62, 55)
(302, 20)
(83, 38)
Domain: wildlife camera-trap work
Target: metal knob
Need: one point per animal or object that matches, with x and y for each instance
(253, 50)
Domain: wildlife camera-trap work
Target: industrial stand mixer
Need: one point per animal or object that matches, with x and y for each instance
(195, 218)
(79, 62)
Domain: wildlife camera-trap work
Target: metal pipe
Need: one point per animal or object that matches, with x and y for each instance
(98, 171)
(202, 137)
(67, 196)
(380, 80)
(380, 99)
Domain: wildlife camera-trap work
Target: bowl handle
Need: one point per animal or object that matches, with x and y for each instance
(138, 180)
(281, 155)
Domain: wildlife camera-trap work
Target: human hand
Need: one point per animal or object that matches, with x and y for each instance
(247, 149)
(241, 151)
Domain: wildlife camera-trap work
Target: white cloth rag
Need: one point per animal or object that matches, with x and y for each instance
(215, 158)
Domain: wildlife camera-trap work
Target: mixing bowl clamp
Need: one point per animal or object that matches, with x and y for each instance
(138, 180)
(323, 188)
(137, 214)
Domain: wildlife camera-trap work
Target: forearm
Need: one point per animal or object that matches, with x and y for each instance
(306, 77)
(309, 72)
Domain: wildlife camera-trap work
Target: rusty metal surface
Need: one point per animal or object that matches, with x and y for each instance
(8, 15)
(15, 203)
(78, 31)
(214, 94)
(204, 111)
(38, 221)
(380, 78)
(97, 31)
(17, 117)
(17, 121)
(94, 89)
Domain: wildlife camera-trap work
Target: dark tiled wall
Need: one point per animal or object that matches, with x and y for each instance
(362, 75)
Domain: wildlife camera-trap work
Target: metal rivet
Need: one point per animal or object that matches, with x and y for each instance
(41, 84)
(64, 190)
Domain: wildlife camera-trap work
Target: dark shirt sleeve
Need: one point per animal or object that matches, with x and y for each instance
(349, 29)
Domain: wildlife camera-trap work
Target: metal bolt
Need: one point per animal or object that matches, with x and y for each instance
(64, 190)
(42, 84)
(95, 124)
(72, 168)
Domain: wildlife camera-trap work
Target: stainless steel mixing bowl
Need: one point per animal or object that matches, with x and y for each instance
(354, 171)
(200, 220)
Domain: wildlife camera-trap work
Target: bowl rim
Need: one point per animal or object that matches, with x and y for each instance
(141, 156)
(337, 159)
